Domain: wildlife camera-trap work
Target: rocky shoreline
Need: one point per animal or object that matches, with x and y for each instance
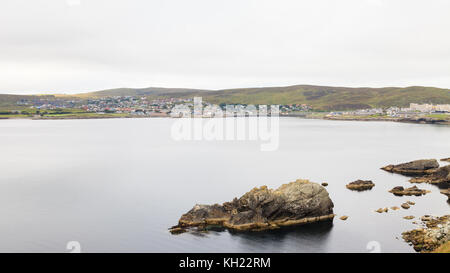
(434, 234)
(421, 120)
(295, 203)
(302, 202)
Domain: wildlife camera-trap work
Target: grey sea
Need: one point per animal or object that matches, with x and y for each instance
(117, 185)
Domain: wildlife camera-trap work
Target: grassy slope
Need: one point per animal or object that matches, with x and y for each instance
(138, 92)
(329, 98)
(320, 97)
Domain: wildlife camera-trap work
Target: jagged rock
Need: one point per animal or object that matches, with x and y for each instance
(400, 191)
(408, 217)
(446, 192)
(417, 167)
(435, 176)
(446, 159)
(177, 230)
(360, 185)
(344, 217)
(405, 206)
(295, 203)
(435, 234)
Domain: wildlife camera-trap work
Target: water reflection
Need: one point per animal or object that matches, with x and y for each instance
(314, 233)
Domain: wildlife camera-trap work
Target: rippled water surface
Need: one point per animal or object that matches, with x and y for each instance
(116, 185)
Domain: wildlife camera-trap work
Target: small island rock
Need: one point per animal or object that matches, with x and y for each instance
(360, 185)
(400, 191)
(295, 203)
(405, 206)
(417, 167)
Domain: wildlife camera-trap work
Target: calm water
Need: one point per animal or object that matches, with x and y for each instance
(117, 185)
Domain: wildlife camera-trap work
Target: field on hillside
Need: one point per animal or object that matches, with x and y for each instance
(321, 98)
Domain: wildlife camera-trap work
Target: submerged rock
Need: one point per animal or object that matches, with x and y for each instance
(381, 210)
(295, 203)
(417, 167)
(410, 217)
(360, 185)
(435, 176)
(395, 208)
(435, 233)
(400, 191)
(343, 218)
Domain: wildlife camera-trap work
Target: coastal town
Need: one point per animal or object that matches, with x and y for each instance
(143, 106)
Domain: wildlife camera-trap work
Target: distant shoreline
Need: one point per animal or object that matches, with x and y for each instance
(401, 120)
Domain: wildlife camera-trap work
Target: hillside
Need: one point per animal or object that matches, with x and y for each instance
(325, 97)
(320, 97)
(139, 92)
(9, 102)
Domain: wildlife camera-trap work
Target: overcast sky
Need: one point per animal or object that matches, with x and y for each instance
(71, 46)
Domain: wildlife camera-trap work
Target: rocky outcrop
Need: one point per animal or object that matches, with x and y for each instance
(400, 191)
(295, 203)
(435, 176)
(360, 185)
(405, 206)
(435, 233)
(417, 167)
(446, 159)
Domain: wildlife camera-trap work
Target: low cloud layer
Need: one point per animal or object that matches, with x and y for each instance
(71, 46)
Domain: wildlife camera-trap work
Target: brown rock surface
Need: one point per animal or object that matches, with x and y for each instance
(405, 206)
(417, 167)
(435, 233)
(360, 185)
(400, 191)
(435, 176)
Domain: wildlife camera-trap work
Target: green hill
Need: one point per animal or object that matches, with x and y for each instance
(139, 92)
(325, 97)
(320, 97)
